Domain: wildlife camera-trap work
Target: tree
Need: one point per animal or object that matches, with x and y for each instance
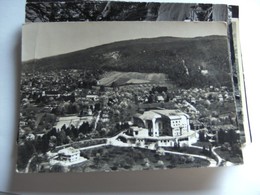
(114, 85)
(125, 125)
(236, 150)
(102, 88)
(25, 153)
(204, 151)
(52, 132)
(74, 131)
(97, 107)
(160, 163)
(85, 128)
(82, 128)
(232, 137)
(102, 132)
(202, 136)
(61, 137)
(45, 143)
(58, 168)
(63, 127)
(210, 149)
(221, 136)
(72, 98)
(81, 136)
(118, 127)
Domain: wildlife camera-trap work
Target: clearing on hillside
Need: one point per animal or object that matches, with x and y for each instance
(127, 78)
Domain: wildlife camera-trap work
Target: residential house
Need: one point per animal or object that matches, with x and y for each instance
(66, 157)
(69, 154)
(92, 97)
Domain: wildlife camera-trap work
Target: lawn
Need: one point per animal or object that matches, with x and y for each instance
(230, 156)
(111, 158)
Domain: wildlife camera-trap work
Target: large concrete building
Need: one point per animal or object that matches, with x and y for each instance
(163, 122)
(166, 127)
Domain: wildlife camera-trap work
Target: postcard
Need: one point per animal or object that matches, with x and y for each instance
(115, 96)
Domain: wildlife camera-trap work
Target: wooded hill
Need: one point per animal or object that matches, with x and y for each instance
(188, 62)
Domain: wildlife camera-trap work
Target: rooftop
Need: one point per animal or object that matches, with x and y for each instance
(149, 115)
(68, 151)
(153, 114)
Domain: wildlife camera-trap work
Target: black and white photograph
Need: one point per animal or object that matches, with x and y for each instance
(127, 96)
(84, 10)
(88, 11)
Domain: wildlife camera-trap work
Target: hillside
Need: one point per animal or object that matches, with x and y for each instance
(182, 59)
(127, 78)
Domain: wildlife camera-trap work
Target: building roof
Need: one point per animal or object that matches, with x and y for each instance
(92, 96)
(149, 115)
(154, 114)
(138, 128)
(160, 98)
(171, 113)
(68, 151)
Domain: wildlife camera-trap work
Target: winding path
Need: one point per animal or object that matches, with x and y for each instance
(113, 141)
(219, 161)
(96, 121)
(26, 170)
(212, 162)
(94, 146)
(217, 156)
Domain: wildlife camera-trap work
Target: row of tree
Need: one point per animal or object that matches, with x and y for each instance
(229, 136)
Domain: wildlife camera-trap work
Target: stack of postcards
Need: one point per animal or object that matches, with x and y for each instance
(116, 86)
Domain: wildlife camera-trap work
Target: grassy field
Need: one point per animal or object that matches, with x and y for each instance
(124, 78)
(230, 156)
(72, 120)
(111, 158)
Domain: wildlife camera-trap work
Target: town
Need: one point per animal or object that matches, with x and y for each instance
(68, 116)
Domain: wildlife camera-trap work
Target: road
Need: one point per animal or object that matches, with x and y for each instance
(115, 142)
(94, 146)
(216, 155)
(212, 162)
(26, 170)
(96, 121)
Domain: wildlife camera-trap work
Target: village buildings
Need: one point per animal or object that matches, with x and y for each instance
(61, 105)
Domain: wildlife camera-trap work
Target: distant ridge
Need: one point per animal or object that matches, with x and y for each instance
(182, 59)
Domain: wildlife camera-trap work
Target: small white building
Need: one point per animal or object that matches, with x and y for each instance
(66, 157)
(30, 137)
(139, 132)
(69, 154)
(92, 97)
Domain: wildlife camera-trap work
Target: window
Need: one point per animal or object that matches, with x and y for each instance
(160, 125)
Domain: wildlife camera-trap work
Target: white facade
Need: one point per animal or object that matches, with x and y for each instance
(139, 132)
(165, 143)
(30, 137)
(66, 157)
(69, 154)
(164, 122)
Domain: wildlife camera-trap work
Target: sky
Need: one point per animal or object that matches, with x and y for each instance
(41, 40)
